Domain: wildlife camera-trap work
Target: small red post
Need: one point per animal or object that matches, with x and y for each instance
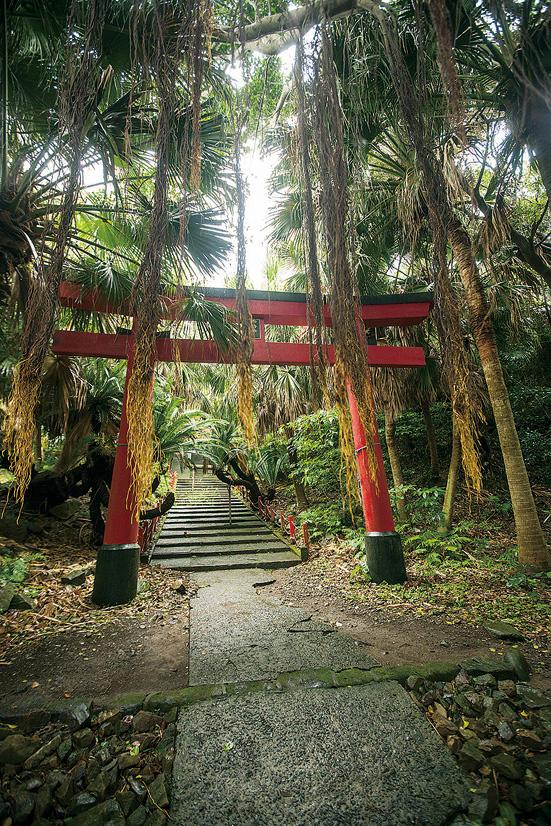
(282, 521)
(292, 527)
(305, 534)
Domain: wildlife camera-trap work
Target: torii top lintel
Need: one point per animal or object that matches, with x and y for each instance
(281, 308)
(278, 308)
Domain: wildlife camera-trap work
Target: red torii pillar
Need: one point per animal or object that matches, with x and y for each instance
(116, 576)
(383, 545)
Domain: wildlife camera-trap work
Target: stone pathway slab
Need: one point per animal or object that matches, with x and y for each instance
(361, 756)
(238, 634)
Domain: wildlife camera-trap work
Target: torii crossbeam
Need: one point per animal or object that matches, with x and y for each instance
(118, 558)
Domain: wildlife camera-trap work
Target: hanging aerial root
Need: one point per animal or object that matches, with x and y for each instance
(141, 439)
(75, 100)
(348, 468)
(19, 428)
(245, 409)
(446, 64)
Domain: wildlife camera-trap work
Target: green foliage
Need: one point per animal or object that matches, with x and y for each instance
(424, 504)
(325, 520)
(315, 438)
(15, 569)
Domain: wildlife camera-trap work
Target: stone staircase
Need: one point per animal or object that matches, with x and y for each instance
(207, 530)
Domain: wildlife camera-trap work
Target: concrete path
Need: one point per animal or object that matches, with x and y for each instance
(304, 756)
(210, 529)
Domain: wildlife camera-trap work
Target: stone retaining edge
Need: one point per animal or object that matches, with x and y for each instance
(312, 678)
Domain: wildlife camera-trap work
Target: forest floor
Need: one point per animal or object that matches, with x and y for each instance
(439, 613)
(68, 647)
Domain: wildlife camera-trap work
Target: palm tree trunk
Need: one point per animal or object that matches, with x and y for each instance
(395, 466)
(38, 443)
(451, 484)
(431, 441)
(532, 551)
(539, 139)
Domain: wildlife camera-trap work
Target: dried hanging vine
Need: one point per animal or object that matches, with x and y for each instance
(75, 102)
(171, 29)
(245, 410)
(457, 368)
(311, 262)
(351, 363)
(244, 319)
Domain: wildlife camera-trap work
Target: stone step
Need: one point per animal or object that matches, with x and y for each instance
(283, 559)
(176, 551)
(214, 538)
(215, 520)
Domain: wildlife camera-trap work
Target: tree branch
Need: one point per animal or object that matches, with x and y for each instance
(276, 31)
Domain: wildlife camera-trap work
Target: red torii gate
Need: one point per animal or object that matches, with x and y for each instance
(118, 558)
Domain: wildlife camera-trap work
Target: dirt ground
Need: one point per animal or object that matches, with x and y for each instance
(395, 634)
(67, 647)
(130, 654)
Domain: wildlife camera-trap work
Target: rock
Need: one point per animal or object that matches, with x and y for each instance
(99, 786)
(23, 806)
(64, 791)
(470, 756)
(503, 630)
(505, 732)
(476, 666)
(506, 766)
(505, 710)
(158, 793)
(485, 679)
(443, 726)
(530, 740)
(104, 814)
(146, 721)
(36, 524)
(139, 817)
(518, 663)
(414, 682)
(128, 761)
(75, 577)
(508, 687)
(83, 738)
(21, 602)
(66, 510)
(543, 765)
(12, 528)
(7, 593)
(137, 787)
(532, 698)
(75, 715)
(43, 752)
(42, 802)
(17, 748)
(521, 797)
(64, 748)
(484, 805)
(82, 802)
(127, 801)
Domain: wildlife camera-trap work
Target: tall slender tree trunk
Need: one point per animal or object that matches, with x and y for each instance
(451, 484)
(300, 490)
(539, 139)
(532, 550)
(395, 465)
(38, 442)
(431, 441)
